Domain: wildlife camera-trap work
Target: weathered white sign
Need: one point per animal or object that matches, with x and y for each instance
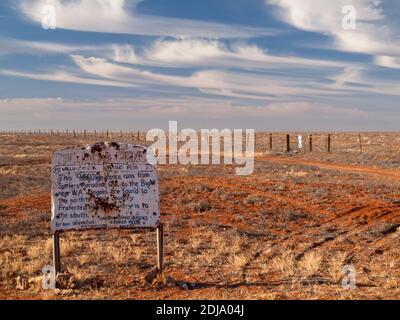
(106, 185)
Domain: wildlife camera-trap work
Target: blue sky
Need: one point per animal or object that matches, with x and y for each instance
(261, 64)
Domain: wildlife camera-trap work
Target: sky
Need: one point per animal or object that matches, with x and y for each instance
(251, 64)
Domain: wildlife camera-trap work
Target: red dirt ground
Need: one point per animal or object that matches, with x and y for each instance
(344, 216)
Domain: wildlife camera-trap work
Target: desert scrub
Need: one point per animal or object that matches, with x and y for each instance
(336, 264)
(254, 199)
(285, 263)
(238, 261)
(310, 264)
(11, 263)
(203, 206)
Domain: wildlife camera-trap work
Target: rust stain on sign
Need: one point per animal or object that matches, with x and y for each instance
(101, 204)
(106, 185)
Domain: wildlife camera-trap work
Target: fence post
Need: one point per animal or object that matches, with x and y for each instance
(270, 141)
(359, 139)
(287, 143)
(310, 142)
(329, 143)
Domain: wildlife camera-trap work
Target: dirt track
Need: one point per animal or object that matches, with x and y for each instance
(385, 173)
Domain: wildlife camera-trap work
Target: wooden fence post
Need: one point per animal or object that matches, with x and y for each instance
(329, 143)
(270, 141)
(359, 139)
(287, 143)
(310, 142)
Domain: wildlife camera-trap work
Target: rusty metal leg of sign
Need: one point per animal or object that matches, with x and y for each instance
(160, 248)
(56, 253)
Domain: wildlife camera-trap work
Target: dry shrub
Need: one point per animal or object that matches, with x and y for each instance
(336, 263)
(236, 244)
(203, 206)
(195, 240)
(23, 258)
(138, 252)
(79, 274)
(120, 255)
(208, 257)
(391, 263)
(123, 252)
(265, 266)
(238, 261)
(386, 270)
(67, 245)
(35, 251)
(390, 283)
(293, 173)
(221, 245)
(11, 264)
(285, 263)
(310, 264)
(97, 248)
(84, 259)
(13, 242)
(195, 243)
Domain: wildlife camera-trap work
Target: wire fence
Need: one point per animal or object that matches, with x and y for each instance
(319, 142)
(362, 143)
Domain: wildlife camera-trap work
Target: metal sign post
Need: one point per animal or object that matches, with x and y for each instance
(160, 248)
(56, 253)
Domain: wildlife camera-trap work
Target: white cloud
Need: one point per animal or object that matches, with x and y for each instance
(325, 15)
(350, 75)
(11, 46)
(114, 16)
(242, 85)
(62, 76)
(232, 84)
(186, 51)
(124, 53)
(173, 107)
(210, 81)
(375, 34)
(183, 52)
(354, 80)
(388, 62)
(189, 52)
